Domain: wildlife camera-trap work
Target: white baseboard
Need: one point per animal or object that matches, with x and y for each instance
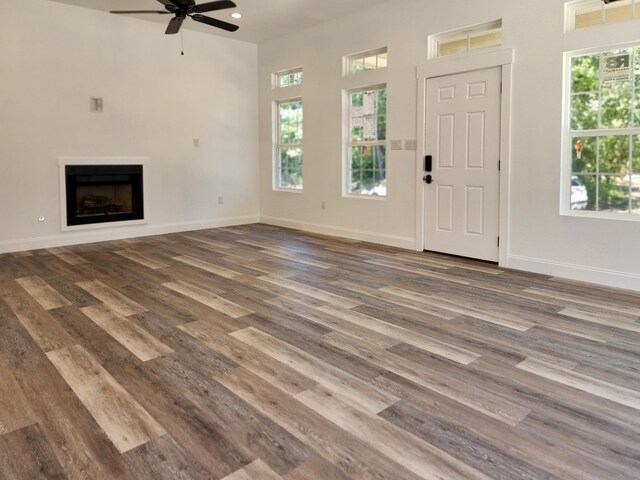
(92, 236)
(600, 276)
(408, 243)
(612, 278)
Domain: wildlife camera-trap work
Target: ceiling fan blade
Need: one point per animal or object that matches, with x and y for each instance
(229, 27)
(211, 6)
(174, 25)
(166, 3)
(182, 3)
(159, 12)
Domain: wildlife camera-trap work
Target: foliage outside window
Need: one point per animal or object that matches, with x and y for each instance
(366, 145)
(289, 78)
(589, 13)
(604, 131)
(289, 151)
(372, 60)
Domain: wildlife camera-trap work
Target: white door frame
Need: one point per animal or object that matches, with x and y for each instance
(452, 66)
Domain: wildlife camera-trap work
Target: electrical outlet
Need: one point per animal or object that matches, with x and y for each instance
(323, 205)
(411, 145)
(196, 142)
(220, 200)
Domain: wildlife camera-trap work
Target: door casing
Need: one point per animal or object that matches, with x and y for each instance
(452, 66)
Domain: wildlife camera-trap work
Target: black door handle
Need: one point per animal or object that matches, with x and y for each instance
(428, 179)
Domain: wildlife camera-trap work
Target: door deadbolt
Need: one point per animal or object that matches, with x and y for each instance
(428, 179)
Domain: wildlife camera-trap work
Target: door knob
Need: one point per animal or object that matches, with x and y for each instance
(428, 179)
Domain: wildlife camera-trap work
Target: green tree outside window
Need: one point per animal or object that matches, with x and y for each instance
(289, 149)
(605, 130)
(367, 149)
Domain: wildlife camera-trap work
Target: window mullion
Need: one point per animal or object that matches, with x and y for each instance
(599, 94)
(598, 174)
(604, 132)
(634, 106)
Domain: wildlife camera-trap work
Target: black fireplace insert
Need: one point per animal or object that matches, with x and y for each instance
(103, 193)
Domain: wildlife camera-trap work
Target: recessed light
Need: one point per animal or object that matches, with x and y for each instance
(236, 15)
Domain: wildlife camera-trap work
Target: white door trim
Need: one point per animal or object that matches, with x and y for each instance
(451, 66)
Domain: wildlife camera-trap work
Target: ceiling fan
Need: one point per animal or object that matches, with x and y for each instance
(182, 9)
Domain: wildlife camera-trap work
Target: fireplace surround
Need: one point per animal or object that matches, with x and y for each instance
(101, 192)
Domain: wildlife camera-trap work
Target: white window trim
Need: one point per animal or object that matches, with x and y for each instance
(461, 34)
(277, 146)
(568, 135)
(275, 78)
(347, 59)
(571, 9)
(346, 157)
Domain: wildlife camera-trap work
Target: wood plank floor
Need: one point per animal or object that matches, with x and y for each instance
(262, 353)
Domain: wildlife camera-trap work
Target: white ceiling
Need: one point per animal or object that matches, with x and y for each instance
(262, 20)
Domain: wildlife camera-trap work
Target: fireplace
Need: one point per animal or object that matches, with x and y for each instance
(103, 193)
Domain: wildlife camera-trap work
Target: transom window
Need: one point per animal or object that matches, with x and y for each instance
(479, 37)
(371, 60)
(590, 13)
(289, 78)
(366, 145)
(289, 151)
(604, 131)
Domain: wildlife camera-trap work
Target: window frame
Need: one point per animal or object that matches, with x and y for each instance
(348, 61)
(465, 34)
(278, 146)
(348, 144)
(569, 137)
(573, 8)
(277, 75)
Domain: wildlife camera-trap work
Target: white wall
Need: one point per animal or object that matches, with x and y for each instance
(540, 239)
(54, 57)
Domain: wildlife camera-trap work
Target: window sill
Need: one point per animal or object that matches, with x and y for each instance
(624, 217)
(289, 190)
(376, 198)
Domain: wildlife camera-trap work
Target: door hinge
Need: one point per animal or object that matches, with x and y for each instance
(499, 165)
(498, 241)
(500, 88)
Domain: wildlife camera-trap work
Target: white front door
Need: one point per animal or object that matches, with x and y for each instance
(462, 202)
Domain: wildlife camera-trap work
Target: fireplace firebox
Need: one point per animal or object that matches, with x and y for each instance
(103, 193)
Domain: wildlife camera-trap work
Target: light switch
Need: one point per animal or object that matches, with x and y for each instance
(411, 145)
(396, 144)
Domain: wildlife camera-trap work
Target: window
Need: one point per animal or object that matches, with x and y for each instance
(289, 145)
(603, 131)
(589, 13)
(366, 141)
(479, 37)
(362, 62)
(288, 78)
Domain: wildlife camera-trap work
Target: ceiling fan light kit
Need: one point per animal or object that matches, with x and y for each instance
(182, 9)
